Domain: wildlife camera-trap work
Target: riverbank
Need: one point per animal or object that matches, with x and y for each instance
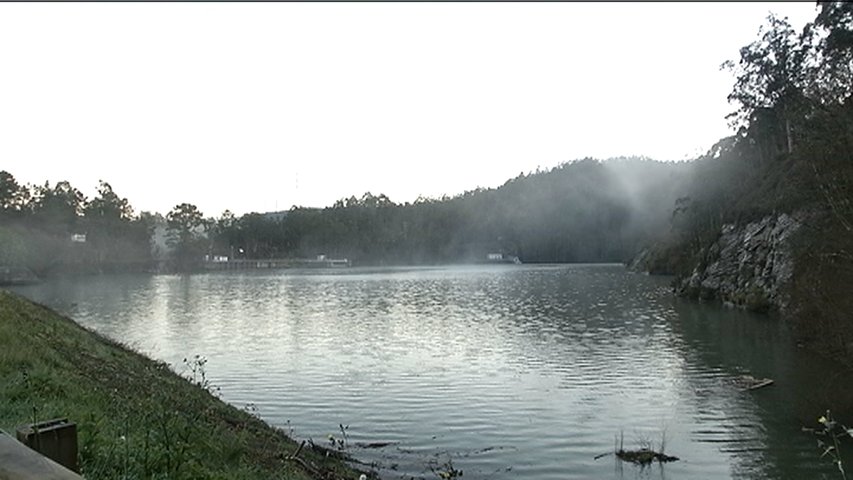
(135, 416)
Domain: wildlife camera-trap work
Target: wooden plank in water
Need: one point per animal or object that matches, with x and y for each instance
(761, 383)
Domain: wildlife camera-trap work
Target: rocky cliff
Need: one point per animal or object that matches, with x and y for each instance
(748, 266)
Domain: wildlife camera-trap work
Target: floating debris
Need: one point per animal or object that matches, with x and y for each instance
(748, 382)
(375, 444)
(644, 456)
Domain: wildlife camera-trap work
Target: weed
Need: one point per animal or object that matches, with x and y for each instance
(828, 436)
(252, 410)
(342, 443)
(446, 471)
(198, 374)
(642, 456)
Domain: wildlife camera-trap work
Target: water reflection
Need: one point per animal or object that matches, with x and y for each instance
(508, 372)
(763, 429)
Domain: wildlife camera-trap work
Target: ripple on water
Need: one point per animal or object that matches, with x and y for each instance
(508, 372)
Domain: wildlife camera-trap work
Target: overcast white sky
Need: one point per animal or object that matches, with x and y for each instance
(257, 107)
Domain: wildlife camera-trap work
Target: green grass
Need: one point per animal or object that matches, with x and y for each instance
(135, 417)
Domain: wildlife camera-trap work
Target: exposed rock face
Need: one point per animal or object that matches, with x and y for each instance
(748, 266)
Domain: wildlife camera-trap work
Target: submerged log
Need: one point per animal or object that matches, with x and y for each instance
(748, 382)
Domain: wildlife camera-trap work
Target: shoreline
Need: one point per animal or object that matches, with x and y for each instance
(136, 416)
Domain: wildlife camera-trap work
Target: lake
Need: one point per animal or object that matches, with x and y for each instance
(501, 371)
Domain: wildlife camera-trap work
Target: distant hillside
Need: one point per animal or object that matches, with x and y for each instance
(581, 211)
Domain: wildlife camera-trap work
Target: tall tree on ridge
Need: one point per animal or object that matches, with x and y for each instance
(182, 229)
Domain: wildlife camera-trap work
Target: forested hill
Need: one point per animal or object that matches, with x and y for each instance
(766, 220)
(794, 148)
(581, 211)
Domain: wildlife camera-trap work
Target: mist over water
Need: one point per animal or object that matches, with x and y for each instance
(505, 371)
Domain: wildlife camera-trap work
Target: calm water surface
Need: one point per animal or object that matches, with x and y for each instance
(505, 371)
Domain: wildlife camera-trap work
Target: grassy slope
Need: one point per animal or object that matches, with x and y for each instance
(135, 417)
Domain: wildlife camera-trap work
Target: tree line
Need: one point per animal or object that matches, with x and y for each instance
(580, 211)
(794, 139)
(50, 228)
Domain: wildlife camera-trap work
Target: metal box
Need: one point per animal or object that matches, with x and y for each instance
(55, 439)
